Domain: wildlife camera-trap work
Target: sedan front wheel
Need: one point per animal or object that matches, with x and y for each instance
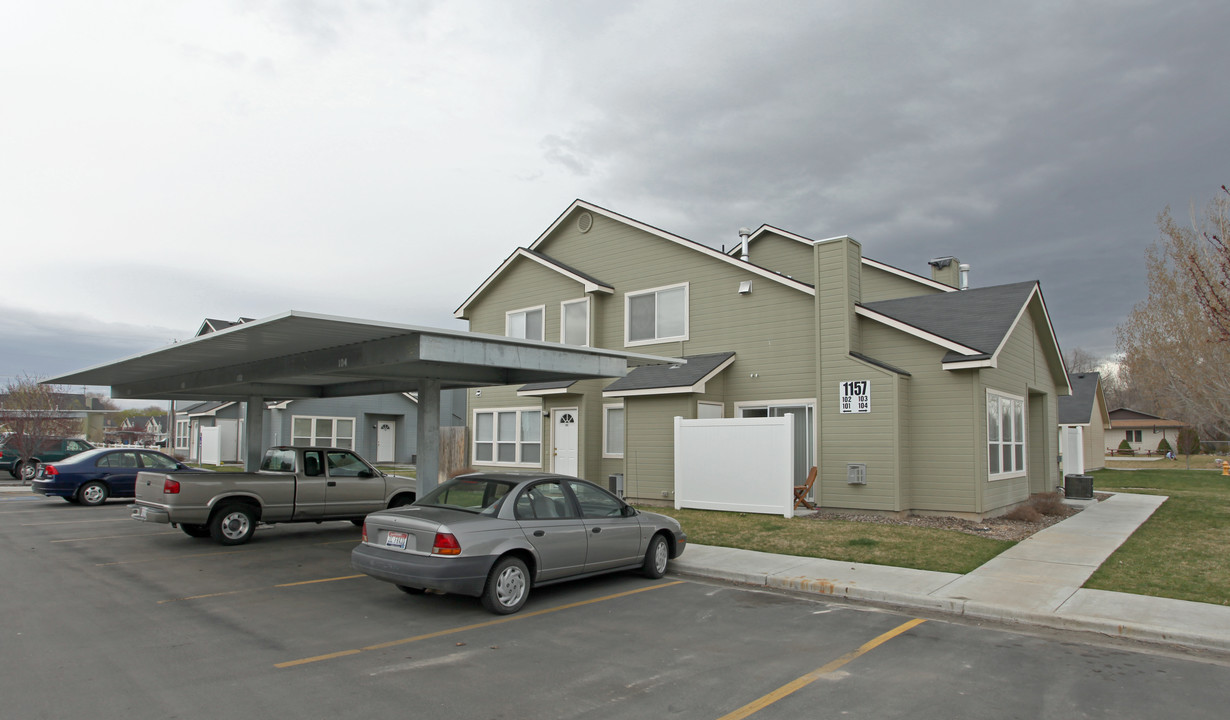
(655, 558)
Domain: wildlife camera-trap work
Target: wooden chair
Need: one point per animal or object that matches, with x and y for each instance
(800, 491)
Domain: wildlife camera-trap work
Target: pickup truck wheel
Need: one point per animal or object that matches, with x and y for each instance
(92, 493)
(233, 524)
(193, 530)
(508, 586)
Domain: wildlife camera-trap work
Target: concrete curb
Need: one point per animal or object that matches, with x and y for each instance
(1115, 628)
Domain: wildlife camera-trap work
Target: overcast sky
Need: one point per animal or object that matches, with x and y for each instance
(164, 162)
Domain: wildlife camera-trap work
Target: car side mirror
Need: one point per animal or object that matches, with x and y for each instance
(366, 474)
(629, 511)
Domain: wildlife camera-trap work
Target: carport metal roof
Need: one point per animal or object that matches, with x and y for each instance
(301, 355)
(305, 355)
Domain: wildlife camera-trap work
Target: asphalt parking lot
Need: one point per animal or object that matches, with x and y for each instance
(106, 617)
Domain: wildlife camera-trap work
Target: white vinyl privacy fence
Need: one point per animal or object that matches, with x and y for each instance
(735, 464)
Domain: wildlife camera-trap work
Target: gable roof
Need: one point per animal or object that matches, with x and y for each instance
(589, 282)
(1127, 418)
(669, 379)
(214, 325)
(1077, 408)
(763, 229)
(973, 324)
(578, 204)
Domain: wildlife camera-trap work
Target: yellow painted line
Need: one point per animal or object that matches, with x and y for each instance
(210, 595)
(167, 558)
(108, 537)
(796, 685)
(312, 582)
(237, 592)
(475, 626)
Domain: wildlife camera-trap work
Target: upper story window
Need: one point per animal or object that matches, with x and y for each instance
(1005, 435)
(574, 322)
(525, 323)
(656, 315)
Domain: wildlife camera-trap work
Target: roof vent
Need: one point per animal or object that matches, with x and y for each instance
(585, 221)
(743, 235)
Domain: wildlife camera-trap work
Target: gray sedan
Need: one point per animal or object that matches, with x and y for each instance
(496, 535)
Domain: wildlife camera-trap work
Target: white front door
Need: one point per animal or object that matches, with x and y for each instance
(386, 441)
(564, 439)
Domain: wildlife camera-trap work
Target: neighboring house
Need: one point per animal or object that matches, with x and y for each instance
(961, 387)
(1083, 422)
(382, 428)
(1142, 430)
(136, 430)
(212, 430)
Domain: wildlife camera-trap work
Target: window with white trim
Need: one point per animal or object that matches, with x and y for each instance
(181, 434)
(613, 431)
(508, 437)
(656, 315)
(322, 431)
(574, 322)
(525, 323)
(1005, 435)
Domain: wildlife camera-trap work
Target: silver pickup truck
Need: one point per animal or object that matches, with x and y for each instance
(294, 484)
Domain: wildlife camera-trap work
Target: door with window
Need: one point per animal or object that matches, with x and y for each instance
(804, 431)
(386, 441)
(564, 437)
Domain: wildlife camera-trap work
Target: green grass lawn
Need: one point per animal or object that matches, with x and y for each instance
(1183, 550)
(896, 545)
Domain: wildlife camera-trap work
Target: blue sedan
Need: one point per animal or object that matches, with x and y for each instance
(89, 478)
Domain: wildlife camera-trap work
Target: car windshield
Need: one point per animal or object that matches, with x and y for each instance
(472, 494)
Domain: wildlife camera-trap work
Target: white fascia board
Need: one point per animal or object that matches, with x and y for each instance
(916, 332)
(698, 247)
(540, 393)
(909, 275)
(699, 387)
(969, 364)
(589, 285)
(866, 261)
(1036, 293)
(652, 391)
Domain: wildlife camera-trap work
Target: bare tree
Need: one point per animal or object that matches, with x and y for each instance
(1174, 344)
(28, 410)
(1206, 263)
(1079, 360)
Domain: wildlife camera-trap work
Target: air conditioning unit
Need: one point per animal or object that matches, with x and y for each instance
(615, 483)
(856, 474)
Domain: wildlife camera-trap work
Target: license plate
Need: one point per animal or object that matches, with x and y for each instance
(138, 513)
(396, 540)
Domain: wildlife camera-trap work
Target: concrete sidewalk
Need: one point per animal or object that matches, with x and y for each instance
(1037, 581)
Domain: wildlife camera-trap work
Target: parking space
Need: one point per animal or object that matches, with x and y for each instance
(105, 616)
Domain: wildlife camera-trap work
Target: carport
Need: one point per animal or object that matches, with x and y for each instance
(306, 355)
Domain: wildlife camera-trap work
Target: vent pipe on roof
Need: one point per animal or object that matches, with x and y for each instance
(963, 269)
(743, 235)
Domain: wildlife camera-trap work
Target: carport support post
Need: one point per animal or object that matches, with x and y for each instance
(428, 466)
(253, 431)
